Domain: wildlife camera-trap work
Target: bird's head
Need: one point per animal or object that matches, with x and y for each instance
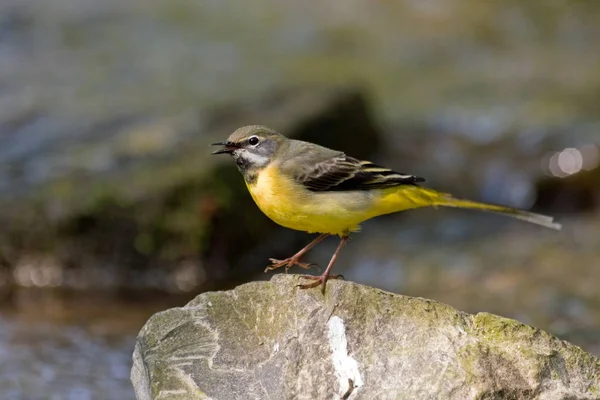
(252, 147)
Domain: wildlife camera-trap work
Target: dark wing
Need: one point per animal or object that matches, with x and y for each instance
(347, 173)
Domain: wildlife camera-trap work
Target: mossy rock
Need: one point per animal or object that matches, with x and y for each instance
(272, 340)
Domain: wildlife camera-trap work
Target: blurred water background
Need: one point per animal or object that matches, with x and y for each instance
(104, 104)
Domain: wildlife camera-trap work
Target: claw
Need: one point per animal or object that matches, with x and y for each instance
(287, 263)
(295, 259)
(318, 280)
(300, 264)
(324, 277)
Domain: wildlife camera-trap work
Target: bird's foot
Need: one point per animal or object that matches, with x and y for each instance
(287, 263)
(318, 280)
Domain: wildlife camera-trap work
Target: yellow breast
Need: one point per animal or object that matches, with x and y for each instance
(291, 205)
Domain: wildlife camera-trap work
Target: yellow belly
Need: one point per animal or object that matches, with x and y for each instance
(339, 212)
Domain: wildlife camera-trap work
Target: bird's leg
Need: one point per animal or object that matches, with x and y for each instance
(322, 279)
(295, 259)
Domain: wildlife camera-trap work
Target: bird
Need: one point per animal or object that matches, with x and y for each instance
(311, 188)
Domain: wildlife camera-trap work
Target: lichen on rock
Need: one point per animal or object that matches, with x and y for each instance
(271, 340)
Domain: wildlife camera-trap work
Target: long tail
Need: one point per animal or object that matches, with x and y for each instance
(435, 198)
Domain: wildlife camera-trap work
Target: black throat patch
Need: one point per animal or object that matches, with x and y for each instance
(250, 176)
(248, 169)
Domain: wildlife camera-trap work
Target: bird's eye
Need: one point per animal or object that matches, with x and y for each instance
(253, 140)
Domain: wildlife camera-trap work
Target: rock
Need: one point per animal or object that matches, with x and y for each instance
(139, 202)
(270, 340)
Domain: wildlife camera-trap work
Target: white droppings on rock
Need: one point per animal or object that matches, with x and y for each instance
(346, 367)
(276, 348)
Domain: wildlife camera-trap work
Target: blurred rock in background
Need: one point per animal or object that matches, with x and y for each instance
(162, 208)
(107, 189)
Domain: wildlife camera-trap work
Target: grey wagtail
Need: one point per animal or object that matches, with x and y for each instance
(307, 187)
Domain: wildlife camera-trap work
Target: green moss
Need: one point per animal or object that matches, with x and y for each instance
(496, 329)
(167, 378)
(497, 357)
(516, 342)
(469, 357)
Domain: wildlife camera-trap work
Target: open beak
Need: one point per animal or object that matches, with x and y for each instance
(228, 149)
